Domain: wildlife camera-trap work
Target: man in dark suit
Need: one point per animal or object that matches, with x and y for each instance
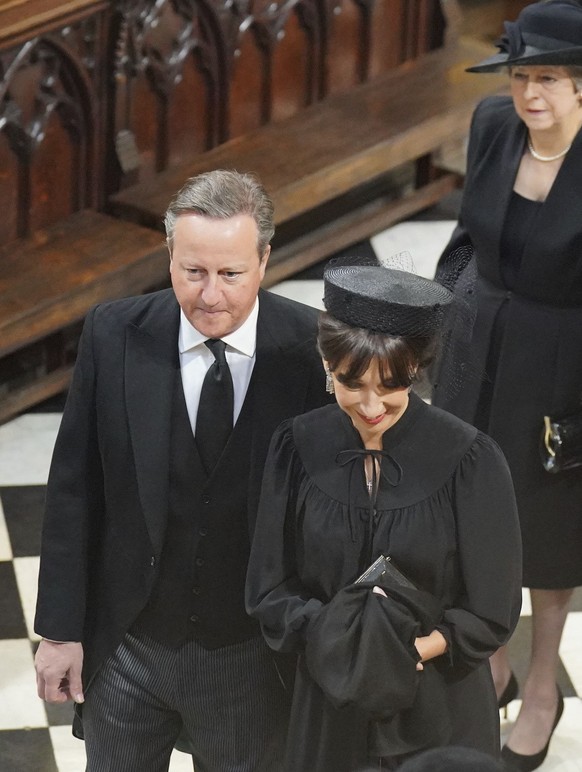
(152, 496)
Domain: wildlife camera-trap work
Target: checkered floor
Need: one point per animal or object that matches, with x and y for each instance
(37, 738)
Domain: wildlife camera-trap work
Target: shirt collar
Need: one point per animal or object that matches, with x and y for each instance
(244, 339)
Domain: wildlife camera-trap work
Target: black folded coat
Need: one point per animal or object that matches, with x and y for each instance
(360, 651)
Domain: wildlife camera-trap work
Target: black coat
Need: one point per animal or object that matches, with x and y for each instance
(107, 496)
(450, 525)
(539, 354)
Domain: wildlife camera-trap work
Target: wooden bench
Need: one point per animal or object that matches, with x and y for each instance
(48, 283)
(349, 166)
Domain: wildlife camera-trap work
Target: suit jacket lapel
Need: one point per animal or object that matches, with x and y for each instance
(490, 193)
(550, 238)
(151, 365)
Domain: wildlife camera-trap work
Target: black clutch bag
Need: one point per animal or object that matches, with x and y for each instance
(384, 570)
(561, 443)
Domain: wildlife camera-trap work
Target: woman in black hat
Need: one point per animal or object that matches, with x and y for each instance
(521, 213)
(397, 662)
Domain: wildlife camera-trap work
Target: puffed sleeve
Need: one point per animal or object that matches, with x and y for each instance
(274, 594)
(489, 549)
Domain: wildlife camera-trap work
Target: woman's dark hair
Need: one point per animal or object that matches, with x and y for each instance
(400, 359)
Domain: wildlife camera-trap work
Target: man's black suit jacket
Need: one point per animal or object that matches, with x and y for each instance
(107, 495)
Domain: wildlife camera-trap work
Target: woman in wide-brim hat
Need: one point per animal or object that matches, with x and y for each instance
(521, 214)
(388, 666)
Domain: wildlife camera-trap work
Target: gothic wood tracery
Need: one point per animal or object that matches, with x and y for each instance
(48, 119)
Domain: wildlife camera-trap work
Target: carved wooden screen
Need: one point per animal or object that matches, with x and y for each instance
(49, 121)
(189, 74)
(110, 93)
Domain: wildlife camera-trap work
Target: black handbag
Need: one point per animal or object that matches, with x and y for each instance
(561, 443)
(384, 570)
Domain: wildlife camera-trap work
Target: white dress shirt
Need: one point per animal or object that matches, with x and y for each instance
(196, 359)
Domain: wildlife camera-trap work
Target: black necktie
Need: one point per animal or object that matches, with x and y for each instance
(214, 419)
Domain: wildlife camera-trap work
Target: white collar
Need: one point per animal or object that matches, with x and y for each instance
(243, 339)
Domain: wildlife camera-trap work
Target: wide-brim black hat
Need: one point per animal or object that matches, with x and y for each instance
(544, 33)
(384, 300)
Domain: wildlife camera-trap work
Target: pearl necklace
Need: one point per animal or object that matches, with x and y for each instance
(539, 157)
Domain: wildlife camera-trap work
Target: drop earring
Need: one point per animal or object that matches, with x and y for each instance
(329, 387)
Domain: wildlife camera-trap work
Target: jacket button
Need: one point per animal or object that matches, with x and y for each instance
(203, 532)
(194, 618)
(205, 499)
(196, 591)
(199, 561)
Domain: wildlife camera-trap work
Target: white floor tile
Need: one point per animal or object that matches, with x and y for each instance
(180, 762)
(26, 570)
(26, 446)
(69, 751)
(424, 241)
(19, 704)
(309, 292)
(5, 547)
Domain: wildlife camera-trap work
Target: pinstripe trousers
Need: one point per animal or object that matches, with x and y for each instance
(230, 703)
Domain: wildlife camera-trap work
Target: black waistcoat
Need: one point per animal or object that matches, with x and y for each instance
(199, 591)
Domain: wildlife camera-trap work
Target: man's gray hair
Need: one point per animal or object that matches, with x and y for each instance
(222, 194)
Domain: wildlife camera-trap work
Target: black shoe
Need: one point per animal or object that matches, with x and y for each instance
(519, 762)
(509, 693)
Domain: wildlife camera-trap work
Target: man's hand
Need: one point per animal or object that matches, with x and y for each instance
(58, 671)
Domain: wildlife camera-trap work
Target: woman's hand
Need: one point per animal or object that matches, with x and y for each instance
(430, 646)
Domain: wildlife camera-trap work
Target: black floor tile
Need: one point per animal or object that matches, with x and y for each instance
(12, 624)
(53, 405)
(26, 750)
(60, 715)
(446, 209)
(23, 510)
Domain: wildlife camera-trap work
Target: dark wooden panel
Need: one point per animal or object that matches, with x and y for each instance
(345, 60)
(386, 38)
(249, 97)
(296, 50)
(10, 186)
(55, 171)
(189, 131)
